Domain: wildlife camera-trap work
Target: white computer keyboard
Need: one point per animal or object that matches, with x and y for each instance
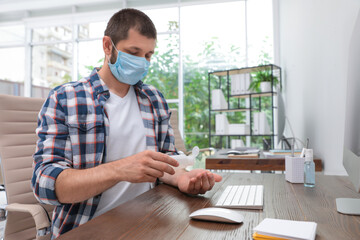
(242, 196)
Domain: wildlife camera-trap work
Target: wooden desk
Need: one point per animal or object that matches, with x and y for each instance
(163, 212)
(243, 163)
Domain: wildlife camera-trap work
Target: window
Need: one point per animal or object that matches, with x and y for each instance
(163, 72)
(91, 55)
(51, 64)
(163, 19)
(92, 30)
(12, 34)
(164, 68)
(215, 36)
(52, 58)
(260, 32)
(12, 65)
(48, 34)
(12, 61)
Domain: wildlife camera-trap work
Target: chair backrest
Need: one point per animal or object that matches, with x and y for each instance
(18, 121)
(174, 121)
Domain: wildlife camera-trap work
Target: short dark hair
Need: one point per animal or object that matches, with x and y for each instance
(120, 23)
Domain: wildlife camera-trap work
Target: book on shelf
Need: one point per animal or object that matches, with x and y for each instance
(218, 100)
(221, 124)
(264, 127)
(233, 84)
(240, 83)
(246, 84)
(261, 125)
(256, 123)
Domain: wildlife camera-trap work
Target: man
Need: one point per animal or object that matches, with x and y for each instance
(103, 139)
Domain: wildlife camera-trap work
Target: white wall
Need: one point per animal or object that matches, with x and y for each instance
(314, 46)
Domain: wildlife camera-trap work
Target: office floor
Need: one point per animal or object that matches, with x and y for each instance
(2, 224)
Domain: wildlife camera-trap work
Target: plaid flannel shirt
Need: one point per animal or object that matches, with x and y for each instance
(72, 130)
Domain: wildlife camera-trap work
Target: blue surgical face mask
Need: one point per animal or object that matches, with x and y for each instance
(128, 68)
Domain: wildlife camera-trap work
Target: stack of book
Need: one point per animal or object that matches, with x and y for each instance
(284, 152)
(278, 229)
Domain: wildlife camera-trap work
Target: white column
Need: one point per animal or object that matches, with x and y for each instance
(180, 81)
(276, 44)
(246, 37)
(247, 100)
(75, 49)
(276, 27)
(28, 56)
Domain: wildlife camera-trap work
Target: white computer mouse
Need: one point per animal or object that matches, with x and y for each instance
(217, 215)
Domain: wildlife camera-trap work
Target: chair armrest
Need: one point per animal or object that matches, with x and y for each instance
(37, 212)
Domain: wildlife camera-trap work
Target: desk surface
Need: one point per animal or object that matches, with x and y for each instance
(163, 212)
(265, 164)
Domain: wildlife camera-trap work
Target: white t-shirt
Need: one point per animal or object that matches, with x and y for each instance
(126, 138)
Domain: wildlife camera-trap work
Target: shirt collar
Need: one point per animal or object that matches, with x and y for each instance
(98, 85)
(139, 85)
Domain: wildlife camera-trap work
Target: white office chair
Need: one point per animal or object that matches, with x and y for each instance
(26, 218)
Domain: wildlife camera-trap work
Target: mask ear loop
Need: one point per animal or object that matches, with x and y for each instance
(108, 57)
(113, 44)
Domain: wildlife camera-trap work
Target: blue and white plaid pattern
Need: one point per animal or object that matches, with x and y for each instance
(72, 130)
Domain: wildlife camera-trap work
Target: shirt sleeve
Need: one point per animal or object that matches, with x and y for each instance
(165, 130)
(52, 151)
(169, 141)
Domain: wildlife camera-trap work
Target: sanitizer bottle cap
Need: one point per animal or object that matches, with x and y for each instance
(309, 154)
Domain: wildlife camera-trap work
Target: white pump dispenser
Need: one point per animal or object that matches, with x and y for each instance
(184, 160)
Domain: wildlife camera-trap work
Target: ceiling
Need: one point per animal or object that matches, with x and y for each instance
(18, 10)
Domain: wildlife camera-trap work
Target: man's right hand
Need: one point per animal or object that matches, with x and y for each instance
(145, 166)
(77, 185)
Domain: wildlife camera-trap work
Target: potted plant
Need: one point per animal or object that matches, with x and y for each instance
(261, 81)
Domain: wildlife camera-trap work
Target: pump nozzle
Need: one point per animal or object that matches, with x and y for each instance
(184, 160)
(195, 151)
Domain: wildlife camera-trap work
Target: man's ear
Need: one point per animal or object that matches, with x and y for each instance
(107, 46)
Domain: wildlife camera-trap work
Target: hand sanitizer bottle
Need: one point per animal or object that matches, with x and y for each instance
(184, 160)
(309, 169)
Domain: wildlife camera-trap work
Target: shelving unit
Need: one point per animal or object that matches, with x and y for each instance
(249, 98)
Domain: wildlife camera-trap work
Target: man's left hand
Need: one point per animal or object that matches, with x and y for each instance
(197, 181)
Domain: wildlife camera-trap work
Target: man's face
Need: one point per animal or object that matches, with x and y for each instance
(136, 44)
